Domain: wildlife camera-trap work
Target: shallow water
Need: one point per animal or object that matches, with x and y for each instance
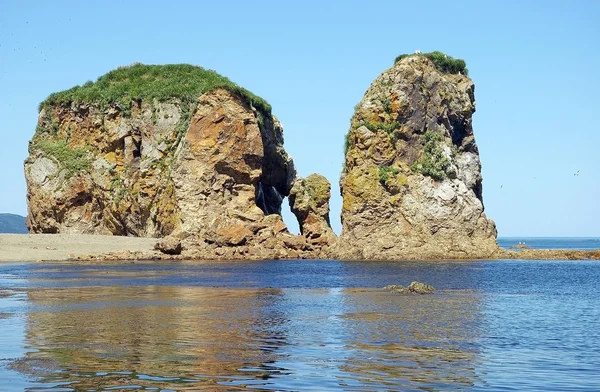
(300, 325)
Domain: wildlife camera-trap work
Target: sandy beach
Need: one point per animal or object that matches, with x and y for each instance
(58, 247)
(80, 247)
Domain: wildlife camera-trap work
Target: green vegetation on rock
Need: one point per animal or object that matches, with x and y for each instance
(402, 56)
(346, 143)
(434, 162)
(47, 124)
(147, 82)
(318, 189)
(442, 62)
(386, 173)
(390, 129)
(374, 127)
(187, 111)
(73, 160)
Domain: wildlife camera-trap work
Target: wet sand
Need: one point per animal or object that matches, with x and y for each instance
(79, 247)
(59, 247)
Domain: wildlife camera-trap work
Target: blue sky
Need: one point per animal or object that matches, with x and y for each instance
(535, 66)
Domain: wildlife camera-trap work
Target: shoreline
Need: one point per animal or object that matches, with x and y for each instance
(68, 247)
(91, 248)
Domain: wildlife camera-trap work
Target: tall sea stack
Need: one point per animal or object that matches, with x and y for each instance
(411, 183)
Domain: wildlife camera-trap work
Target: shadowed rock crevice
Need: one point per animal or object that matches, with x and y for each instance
(268, 199)
(278, 170)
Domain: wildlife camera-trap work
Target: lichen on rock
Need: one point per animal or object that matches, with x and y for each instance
(309, 201)
(411, 183)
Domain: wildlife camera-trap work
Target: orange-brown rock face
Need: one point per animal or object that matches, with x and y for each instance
(412, 184)
(213, 176)
(309, 200)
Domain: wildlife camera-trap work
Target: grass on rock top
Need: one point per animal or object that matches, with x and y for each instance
(147, 82)
(442, 62)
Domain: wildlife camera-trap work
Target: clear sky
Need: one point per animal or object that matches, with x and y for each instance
(535, 65)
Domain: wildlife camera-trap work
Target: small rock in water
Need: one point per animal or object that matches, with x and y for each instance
(420, 288)
(395, 287)
(413, 288)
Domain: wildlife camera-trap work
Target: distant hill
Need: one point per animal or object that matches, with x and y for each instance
(11, 223)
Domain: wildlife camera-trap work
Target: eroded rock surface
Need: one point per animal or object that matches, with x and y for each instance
(169, 245)
(210, 173)
(309, 201)
(411, 184)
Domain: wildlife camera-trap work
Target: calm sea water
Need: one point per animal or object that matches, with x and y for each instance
(589, 243)
(300, 325)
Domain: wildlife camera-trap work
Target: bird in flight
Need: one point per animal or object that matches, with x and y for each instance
(576, 174)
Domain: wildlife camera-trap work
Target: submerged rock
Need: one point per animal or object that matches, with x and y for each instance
(413, 288)
(395, 288)
(411, 184)
(420, 288)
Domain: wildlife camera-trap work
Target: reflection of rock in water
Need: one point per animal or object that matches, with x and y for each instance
(427, 341)
(39, 367)
(157, 335)
(273, 338)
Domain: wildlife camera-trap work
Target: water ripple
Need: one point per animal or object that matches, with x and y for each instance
(491, 326)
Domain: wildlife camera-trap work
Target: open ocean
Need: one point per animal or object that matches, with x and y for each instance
(314, 325)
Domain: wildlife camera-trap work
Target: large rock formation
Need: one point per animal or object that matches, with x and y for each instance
(184, 154)
(411, 183)
(161, 151)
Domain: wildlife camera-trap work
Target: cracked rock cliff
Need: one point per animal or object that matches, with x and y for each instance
(171, 151)
(411, 183)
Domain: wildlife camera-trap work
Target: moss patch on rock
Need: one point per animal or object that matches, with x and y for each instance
(318, 187)
(72, 160)
(147, 82)
(375, 126)
(442, 62)
(361, 188)
(386, 173)
(390, 128)
(434, 162)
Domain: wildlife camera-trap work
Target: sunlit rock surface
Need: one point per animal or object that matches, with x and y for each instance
(411, 184)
